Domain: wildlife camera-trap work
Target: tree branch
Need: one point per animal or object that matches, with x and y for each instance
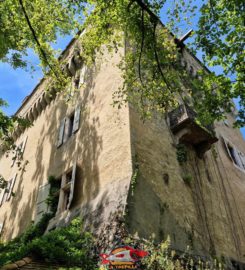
(156, 57)
(130, 4)
(147, 9)
(35, 37)
(142, 44)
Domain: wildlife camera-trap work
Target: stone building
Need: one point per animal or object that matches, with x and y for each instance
(108, 163)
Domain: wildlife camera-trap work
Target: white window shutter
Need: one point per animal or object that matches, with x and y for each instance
(20, 150)
(70, 92)
(237, 158)
(82, 75)
(227, 148)
(1, 227)
(14, 158)
(41, 205)
(23, 145)
(242, 157)
(72, 185)
(11, 187)
(61, 132)
(6, 194)
(76, 122)
(2, 193)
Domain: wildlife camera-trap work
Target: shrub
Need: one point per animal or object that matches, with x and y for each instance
(161, 257)
(64, 245)
(36, 230)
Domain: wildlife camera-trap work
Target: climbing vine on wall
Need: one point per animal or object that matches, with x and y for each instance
(134, 176)
(181, 153)
(53, 197)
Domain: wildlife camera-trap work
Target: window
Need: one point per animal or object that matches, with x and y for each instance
(77, 81)
(19, 151)
(82, 76)
(6, 193)
(67, 190)
(237, 157)
(70, 92)
(2, 193)
(69, 177)
(68, 126)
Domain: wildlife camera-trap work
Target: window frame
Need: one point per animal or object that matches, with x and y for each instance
(69, 125)
(232, 155)
(5, 194)
(66, 192)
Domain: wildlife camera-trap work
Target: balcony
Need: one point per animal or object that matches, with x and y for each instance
(184, 126)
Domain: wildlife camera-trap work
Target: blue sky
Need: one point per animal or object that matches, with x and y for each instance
(16, 84)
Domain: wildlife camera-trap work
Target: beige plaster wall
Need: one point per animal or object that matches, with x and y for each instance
(101, 149)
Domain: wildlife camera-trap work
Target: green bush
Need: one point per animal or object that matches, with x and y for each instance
(17, 248)
(161, 257)
(64, 245)
(36, 230)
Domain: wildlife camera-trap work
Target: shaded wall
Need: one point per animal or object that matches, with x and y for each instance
(208, 214)
(101, 148)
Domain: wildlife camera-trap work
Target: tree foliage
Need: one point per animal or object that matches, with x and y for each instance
(153, 77)
(221, 36)
(7, 124)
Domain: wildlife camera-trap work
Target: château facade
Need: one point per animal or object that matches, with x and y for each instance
(110, 164)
